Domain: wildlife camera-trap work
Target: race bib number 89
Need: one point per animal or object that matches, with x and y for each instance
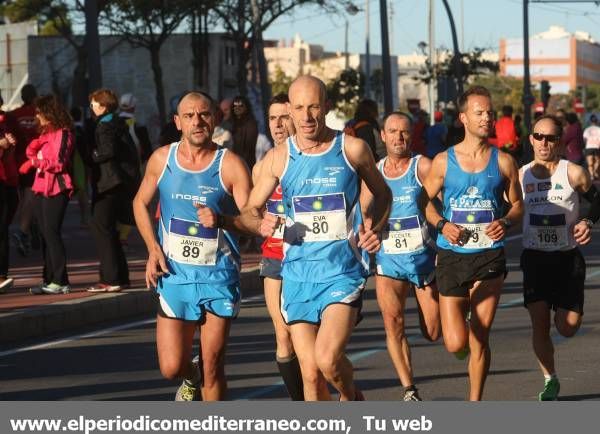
(323, 216)
(403, 236)
(476, 221)
(191, 243)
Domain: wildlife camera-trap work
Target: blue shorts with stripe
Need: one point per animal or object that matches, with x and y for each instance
(418, 269)
(190, 302)
(306, 301)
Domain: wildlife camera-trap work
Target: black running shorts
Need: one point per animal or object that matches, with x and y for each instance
(456, 272)
(554, 277)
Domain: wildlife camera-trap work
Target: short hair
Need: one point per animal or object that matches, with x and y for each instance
(28, 93)
(280, 98)
(201, 94)
(507, 110)
(593, 118)
(572, 117)
(366, 110)
(474, 90)
(54, 111)
(106, 98)
(397, 113)
(555, 120)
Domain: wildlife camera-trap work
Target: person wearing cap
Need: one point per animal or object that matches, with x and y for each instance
(435, 136)
(138, 133)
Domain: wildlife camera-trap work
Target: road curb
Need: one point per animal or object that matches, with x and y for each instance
(68, 315)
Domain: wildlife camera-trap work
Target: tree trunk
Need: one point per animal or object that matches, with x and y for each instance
(158, 81)
(79, 90)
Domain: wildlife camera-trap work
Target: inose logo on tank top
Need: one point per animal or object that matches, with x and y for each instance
(471, 200)
(326, 182)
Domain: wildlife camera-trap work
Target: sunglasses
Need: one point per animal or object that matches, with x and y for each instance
(552, 138)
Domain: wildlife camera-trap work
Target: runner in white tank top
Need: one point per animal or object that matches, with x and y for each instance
(553, 267)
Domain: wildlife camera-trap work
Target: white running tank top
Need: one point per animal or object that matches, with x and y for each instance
(551, 210)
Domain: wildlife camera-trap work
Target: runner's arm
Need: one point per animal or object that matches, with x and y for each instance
(428, 208)
(580, 180)
(156, 265)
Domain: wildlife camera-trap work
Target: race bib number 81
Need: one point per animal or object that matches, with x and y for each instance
(476, 221)
(323, 216)
(403, 236)
(191, 243)
(276, 207)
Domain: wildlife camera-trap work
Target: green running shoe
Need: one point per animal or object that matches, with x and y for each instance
(462, 354)
(551, 389)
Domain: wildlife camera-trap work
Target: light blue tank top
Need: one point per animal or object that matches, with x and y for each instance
(406, 233)
(320, 195)
(472, 200)
(196, 254)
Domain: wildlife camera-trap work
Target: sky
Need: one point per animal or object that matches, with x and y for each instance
(484, 22)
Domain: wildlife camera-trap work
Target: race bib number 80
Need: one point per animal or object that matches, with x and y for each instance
(476, 221)
(191, 243)
(323, 216)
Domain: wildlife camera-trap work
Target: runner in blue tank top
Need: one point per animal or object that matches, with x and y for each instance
(473, 178)
(406, 257)
(193, 265)
(324, 272)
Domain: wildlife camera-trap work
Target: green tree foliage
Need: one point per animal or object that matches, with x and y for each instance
(53, 16)
(472, 65)
(280, 83)
(148, 24)
(346, 91)
(505, 91)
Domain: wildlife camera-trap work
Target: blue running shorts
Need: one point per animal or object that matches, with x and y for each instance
(306, 302)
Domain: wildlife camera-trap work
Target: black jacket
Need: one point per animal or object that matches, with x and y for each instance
(115, 156)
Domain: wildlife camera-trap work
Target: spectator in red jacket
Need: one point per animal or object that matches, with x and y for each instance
(49, 156)
(506, 133)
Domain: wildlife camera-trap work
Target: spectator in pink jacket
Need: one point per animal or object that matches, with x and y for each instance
(50, 156)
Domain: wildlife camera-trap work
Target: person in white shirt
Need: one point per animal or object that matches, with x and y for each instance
(591, 136)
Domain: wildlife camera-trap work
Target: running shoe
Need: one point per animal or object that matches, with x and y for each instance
(104, 287)
(551, 389)
(411, 395)
(5, 283)
(55, 288)
(462, 354)
(37, 289)
(187, 391)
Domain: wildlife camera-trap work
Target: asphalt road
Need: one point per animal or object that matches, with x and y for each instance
(118, 361)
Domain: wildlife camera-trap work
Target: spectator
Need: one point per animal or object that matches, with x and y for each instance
(591, 136)
(418, 135)
(506, 133)
(366, 126)
(49, 157)
(138, 132)
(81, 160)
(435, 136)
(221, 136)
(225, 107)
(8, 194)
(115, 180)
(24, 125)
(456, 131)
(573, 139)
(245, 130)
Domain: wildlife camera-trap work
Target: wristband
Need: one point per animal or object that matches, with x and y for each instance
(440, 225)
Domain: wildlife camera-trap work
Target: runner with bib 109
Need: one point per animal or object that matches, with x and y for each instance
(475, 181)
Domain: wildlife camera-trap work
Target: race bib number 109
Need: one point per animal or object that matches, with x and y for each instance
(191, 243)
(324, 217)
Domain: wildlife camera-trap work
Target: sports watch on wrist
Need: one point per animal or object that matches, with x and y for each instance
(440, 225)
(506, 222)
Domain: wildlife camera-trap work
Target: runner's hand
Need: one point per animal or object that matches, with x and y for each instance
(495, 230)
(269, 224)
(453, 233)
(367, 238)
(582, 233)
(155, 267)
(206, 216)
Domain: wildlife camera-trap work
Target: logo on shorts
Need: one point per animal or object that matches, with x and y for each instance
(529, 188)
(544, 186)
(336, 293)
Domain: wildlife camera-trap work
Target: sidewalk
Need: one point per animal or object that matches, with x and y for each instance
(23, 315)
